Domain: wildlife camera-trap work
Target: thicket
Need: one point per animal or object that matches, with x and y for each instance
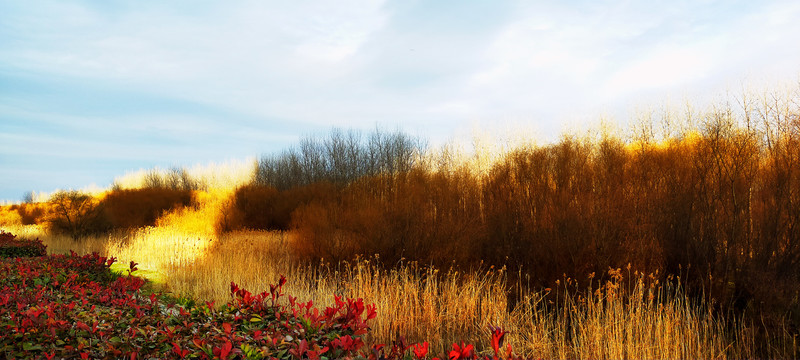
(339, 158)
(713, 197)
(22, 214)
(135, 208)
(317, 172)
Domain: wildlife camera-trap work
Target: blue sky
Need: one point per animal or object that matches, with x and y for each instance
(92, 89)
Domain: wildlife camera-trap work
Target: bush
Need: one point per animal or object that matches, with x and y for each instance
(136, 208)
(32, 214)
(78, 214)
(339, 158)
(265, 208)
(10, 246)
(175, 179)
(718, 206)
(10, 216)
(255, 207)
(82, 310)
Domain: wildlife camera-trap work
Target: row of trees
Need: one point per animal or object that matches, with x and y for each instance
(340, 158)
(716, 199)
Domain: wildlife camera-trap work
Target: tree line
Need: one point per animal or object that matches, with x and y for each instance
(712, 196)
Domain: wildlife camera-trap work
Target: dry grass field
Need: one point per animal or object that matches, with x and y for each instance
(627, 315)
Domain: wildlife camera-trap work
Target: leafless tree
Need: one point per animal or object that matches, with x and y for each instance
(77, 214)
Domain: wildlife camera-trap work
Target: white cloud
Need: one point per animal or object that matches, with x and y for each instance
(240, 56)
(559, 60)
(662, 68)
(425, 66)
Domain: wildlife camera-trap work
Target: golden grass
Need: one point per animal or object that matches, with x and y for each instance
(421, 303)
(154, 248)
(203, 217)
(414, 301)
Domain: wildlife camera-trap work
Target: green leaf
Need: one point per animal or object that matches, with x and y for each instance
(29, 346)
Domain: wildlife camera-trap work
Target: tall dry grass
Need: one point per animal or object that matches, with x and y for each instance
(626, 316)
(415, 301)
(419, 302)
(154, 248)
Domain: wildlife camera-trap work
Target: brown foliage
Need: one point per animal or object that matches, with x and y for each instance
(77, 214)
(135, 208)
(416, 215)
(717, 204)
(32, 213)
(266, 208)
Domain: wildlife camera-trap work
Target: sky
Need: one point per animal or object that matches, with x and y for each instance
(90, 90)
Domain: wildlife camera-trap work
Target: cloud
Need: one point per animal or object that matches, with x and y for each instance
(238, 56)
(555, 61)
(201, 80)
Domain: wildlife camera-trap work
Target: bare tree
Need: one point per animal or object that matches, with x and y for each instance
(77, 214)
(340, 158)
(28, 198)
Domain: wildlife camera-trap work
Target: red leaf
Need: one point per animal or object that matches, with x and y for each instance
(461, 352)
(421, 350)
(225, 350)
(497, 338)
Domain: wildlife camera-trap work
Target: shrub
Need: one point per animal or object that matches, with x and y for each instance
(255, 208)
(10, 246)
(135, 208)
(428, 217)
(265, 208)
(718, 204)
(31, 214)
(74, 307)
(77, 214)
(339, 158)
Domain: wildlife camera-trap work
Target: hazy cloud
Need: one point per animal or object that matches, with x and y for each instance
(193, 81)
